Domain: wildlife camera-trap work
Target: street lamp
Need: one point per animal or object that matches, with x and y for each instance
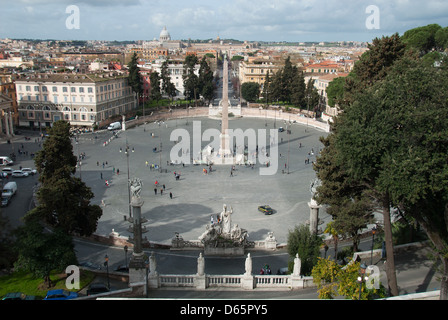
(106, 264)
(361, 278)
(127, 160)
(373, 241)
(126, 257)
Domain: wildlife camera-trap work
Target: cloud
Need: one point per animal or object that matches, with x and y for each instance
(270, 20)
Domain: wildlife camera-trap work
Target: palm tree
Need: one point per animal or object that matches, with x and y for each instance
(331, 230)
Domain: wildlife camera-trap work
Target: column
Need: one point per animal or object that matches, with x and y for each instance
(314, 215)
(137, 265)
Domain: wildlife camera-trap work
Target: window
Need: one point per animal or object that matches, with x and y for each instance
(73, 89)
(44, 89)
(64, 89)
(55, 99)
(55, 89)
(90, 90)
(81, 90)
(28, 88)
(36, 88)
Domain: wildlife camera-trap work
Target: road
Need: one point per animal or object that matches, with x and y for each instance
(415, 272)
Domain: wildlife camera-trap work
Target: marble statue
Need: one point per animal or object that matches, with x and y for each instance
(136, 187)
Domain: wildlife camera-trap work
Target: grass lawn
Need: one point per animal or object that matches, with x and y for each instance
(30, 285)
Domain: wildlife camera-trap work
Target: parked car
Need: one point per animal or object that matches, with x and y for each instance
(9, 189)
(90, 265)
(122, 268)
(97, 288)
(5, 201)
(281, 129)
(19, 174)
(7, 171)
(60, 294)
(266, 209)
(30, 171)
(18, 296)
(6, 161)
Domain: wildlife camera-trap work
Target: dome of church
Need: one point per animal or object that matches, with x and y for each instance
(164, 35)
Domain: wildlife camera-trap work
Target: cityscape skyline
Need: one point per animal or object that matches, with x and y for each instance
(274, 20)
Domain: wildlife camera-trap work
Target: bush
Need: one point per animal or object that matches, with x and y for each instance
(301, 241)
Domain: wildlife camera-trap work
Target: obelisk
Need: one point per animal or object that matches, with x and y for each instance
(224, 149)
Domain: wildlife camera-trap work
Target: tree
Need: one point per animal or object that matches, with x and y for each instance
(335, 91)
(373, 66)
(298, 90)
(191, 80)
(155, 92)
(301, 241)
(250, 91)
(40, 251)
(267, 88)
(64, 200)
(332, 279)
(135, 80)
(168, 87)
(423, 39)
(311, 96)
(205, 80)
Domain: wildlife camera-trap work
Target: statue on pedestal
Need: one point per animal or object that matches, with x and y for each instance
(222, 234)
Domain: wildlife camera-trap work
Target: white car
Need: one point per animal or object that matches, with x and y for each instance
(30, 171)
(19, 173)
(8, 171)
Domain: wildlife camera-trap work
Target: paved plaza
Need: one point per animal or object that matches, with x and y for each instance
(197, 196)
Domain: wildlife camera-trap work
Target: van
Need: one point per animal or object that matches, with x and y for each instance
(9, 189)
(6, 161)
(114, 126)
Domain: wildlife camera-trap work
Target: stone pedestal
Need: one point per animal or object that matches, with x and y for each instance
(219, 251)
(296, 282)
(248, 282)
(200, 282)
(314, 215)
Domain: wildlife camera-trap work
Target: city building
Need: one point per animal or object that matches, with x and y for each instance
(150, 54)
(82, 99)
(256, 71)
(175, 70)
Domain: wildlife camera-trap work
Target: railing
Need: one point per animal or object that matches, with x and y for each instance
(177, 280)
(224, 281)
(267, 281)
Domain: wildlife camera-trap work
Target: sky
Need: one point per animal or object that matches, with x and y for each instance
(251, 20)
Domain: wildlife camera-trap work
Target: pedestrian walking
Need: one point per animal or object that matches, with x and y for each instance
(155, 191)
(171, 195)
(118, 171)
(163, 187)
(161, 191)
(231, 172)
(101, 174)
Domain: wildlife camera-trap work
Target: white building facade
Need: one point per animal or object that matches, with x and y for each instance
(81, 99)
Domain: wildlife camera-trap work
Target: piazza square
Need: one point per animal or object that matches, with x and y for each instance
(198, 194)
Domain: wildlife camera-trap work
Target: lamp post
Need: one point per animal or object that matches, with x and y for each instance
(361, 278)
(373, 241)
(127, 160)
(126, 257)
(106, 264)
